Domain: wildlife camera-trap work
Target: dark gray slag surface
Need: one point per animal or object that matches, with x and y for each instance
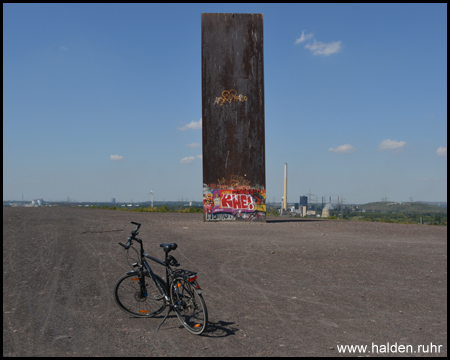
(288, 288)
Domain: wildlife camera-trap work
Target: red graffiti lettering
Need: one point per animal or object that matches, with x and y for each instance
(237, 201)
(227, 201)
(244, 200)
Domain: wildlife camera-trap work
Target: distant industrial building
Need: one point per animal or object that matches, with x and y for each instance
(301, 211)
(303, 201)
(37, 202)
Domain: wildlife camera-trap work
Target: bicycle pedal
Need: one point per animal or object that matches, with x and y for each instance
(159, 297)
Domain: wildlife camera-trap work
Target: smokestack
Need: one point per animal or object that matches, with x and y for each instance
(285, 188)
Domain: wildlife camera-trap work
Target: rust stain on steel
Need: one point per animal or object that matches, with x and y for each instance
(233, 103)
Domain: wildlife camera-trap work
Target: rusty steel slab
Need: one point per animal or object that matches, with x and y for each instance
(234, 178)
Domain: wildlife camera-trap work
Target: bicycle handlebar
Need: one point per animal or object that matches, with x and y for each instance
(138, 225)
(133, 236)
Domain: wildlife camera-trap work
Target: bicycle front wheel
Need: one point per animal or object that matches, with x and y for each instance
(131, 299)
(189, 306)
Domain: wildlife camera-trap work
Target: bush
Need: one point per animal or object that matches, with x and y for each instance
(191, 210)
(165, 208)
(273, 212)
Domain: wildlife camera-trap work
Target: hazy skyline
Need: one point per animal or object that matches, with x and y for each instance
(103, 101)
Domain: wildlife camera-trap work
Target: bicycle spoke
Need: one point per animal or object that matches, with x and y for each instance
(189, 306)
(129, 297)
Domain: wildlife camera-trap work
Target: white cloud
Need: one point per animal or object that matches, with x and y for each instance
(320, 48)
(343, 149)
(116, 158)
(442, 151)
(200, 156)
(317, 47)
(192, 125)
(304, 37)
(193, 145)
(64, 48)
(187, 160)
(391, 145)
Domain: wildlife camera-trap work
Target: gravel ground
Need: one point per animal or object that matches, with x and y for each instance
(289, 287)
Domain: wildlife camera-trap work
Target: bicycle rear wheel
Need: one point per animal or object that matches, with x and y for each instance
(189, 306)
(130, 299)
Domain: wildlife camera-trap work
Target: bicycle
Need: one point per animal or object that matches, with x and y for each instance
(142, 293)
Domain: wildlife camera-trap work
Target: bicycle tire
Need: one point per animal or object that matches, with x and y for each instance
(127, 296)
(189, 306)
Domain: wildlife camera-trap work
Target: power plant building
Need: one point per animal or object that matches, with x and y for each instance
(303, 201)
(37, 202)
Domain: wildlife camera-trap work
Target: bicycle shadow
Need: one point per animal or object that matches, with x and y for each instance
(220, 329)
(214, 329)
(217, 329)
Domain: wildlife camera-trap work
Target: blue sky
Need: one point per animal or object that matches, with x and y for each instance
(104, 101)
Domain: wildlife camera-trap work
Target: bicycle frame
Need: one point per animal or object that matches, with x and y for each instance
(145, 264)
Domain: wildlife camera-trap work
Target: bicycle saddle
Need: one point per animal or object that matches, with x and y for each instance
(169, 247)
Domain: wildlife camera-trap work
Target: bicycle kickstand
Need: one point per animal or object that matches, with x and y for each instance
(165, 317)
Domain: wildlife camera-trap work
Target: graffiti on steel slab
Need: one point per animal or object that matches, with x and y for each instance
(234, 182)
(260, 215)
(223, 217)
(229, 96)
(231, 204)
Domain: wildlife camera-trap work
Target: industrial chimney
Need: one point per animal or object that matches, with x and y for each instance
(285, 188)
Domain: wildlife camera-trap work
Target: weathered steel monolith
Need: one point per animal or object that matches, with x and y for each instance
(234, 175)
